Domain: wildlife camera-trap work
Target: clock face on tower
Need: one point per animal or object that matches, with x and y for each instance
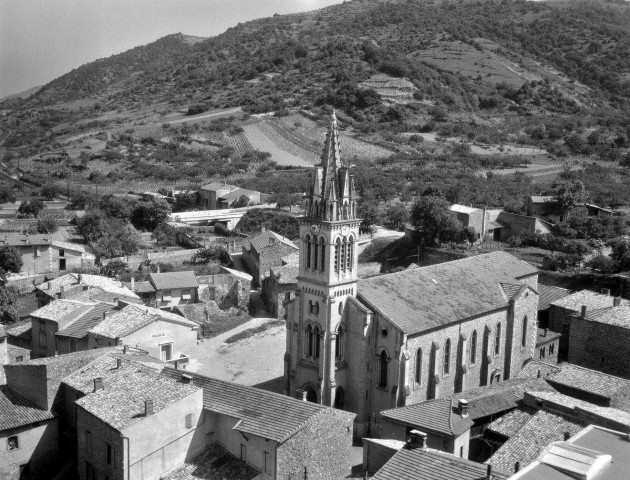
(314, 228)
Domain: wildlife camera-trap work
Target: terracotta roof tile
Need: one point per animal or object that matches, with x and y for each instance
(286, 274)
(264, 414)
(63, 311)
(588, 380)
(173, 280)
(549, 294)
(432, 464)
(20, 240)
(512, 422)
(17, 410)
(79, 327)
(214, 463)
(264, 239)
(617, 316)
(434, 415)
(430, 297)
(70, 281)
(592, 300)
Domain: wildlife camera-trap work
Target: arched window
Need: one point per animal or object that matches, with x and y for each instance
(309, 340)
(447, 356)
(382, 381)
(316, 341)
(337, 253)
(316, 308)
(344, 251)
(349, 256)
(315, 253)
(323, 254)
(339, 343)
(497, 340)
(419, 366)
(524, 334)
(307, 241)
(473, 347)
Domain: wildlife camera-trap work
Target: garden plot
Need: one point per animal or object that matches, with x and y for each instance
(397, 90)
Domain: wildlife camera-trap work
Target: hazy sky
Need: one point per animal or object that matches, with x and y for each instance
(43, 39)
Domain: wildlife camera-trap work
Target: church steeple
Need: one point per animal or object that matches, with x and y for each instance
(331, 193)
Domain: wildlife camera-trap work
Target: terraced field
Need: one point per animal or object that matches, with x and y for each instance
(265, 138)
(239, 143)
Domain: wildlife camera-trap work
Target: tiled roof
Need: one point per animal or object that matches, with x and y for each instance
(105, 366)
(588, 380)
(421, 464)
(20, 240)
(97, 294)
(214, 186)
(174, 280)
(214, 463)
(286, 274)
(261, 413)
(434, 415)
(616, 316)
(462, 209)
(140, 286)
(17, 410)
(121, 401)
(499, 397)
(512, 422)
(510, 289)
(542, 429)
(592, 300)
(430, 297)
(541, 198)
(545, 336)
(21, 329)
(77, 247)
(236, 194)
(63, 311)
(70, 281)
(133, 318)
(79, 328)
(237, 273)
(549, 294)
(266, 238)
(536, 368)
(292, 258)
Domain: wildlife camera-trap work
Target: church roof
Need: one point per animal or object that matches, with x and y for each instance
(427, 298)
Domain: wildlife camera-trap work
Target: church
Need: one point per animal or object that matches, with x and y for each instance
(401, 338)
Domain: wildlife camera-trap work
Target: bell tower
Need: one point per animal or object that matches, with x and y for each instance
(329, 234)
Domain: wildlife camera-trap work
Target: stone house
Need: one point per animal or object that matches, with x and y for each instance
(216, 196)
(280, 437)
(230, 288)
(68, 256)
(600, 339)
(483, 220)
(547, 345)
(280, 285)
(547, 295)
(263, 251)
(542, 206)
(563, 311)
(36, 251)
(174, 288)
(29, 440)
(368, 345)
(164, 335)
(512, 224)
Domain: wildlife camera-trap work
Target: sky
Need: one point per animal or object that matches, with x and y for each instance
(41, 40)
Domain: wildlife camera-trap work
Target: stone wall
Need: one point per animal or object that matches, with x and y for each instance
(94, 450)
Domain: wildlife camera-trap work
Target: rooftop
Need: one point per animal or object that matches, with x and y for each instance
(527, 443)
(18, 411)
(173, 280)
(63, 311)
(237, 273)
(140, 286)
(77, 247)
(440, 416)
(541, 198)
(549, 294)
(587, 454)
(432, 464)
(134, 317)
(545, 336)
(21, 240)
(121, 402)
(592, 300)
(538, 369)
(79, 327)
(236, 194)
(214, 463)
(286, 274)
(265, 239)
(214, 186)
(587, 380)
(616, 316)
(71, 281)
(462, 209)
(426, 298)
(511, 423)
(265, 414)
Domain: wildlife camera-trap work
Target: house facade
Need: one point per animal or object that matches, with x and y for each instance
(215, 196)
(174, 288)
(36, 251)
(372, 345)
(263, 251)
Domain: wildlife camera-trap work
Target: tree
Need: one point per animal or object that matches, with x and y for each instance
(31, 208)
(91, 225)
(396, 215)
(6, 195)
(241, 201)
(10, 259)
(114, 267)
(47, 224)
(150, 214)
(601, 263)
(8, 304)
(48, 191)
(621, 253)
(433, 220)
(471, 234)
(214, 253)
(567, 195)
(368, 212)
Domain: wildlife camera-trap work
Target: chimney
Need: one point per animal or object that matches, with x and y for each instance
(186, 378)
(148, 408)
(105, 315)
(545, 332)
(98, 384)
(463, 407)
(262, 229)
(616, 301)
(300, 394)
(118, 363)
(567, 435)
(417, 439)
(133, 284)
(125, 348)
(517, 467)
(539, 374)
(79, 278)
(48, 285)
(583, 311)
(606, 291)
(158, 268)
(61, 292)
(489, 472)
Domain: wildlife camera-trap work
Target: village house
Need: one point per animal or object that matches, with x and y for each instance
(174, 288)
(547, 345)
(82, 285)
(36, 251)
(562, 313)
(547, 294)
(280, 285)
(216, 196)
(164, 335)
(29, 440)
(69, 256)
(542, 206)
(263, 251)
(12, 349)
(401, 338)
(229, 289)
(600, 339)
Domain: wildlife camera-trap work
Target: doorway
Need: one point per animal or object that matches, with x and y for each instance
(166, 352)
